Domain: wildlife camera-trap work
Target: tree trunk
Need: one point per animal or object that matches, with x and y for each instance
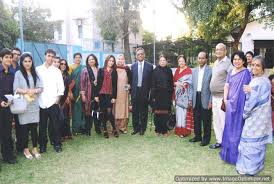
(235, 45)
(238, 34)
(127, 49)
(125, 26)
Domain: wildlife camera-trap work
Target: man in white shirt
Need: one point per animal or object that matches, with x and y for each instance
(201, 100)
(53, 89)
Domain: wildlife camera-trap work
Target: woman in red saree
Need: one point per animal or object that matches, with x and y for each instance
(183, 96)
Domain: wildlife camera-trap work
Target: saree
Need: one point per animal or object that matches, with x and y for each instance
(257, 130)
(184, 115)
(234, 121)
(78, 118)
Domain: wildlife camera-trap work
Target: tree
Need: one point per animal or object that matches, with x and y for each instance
(118, 18)
(37, 26)
(148, 37)
(9, 30)
(217, 19)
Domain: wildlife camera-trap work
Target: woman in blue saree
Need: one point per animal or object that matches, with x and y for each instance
(257, 130)
(234, 98)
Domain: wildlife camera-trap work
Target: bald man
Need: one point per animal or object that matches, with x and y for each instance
(222, 66)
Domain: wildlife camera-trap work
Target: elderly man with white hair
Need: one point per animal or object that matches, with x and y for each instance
(220, 69)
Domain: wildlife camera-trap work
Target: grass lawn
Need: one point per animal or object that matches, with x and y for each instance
(128, 159)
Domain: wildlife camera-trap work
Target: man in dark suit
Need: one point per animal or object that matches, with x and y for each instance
(201, 100)
(140, 89)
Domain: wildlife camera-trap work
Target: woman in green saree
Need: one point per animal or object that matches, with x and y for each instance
(78, 118)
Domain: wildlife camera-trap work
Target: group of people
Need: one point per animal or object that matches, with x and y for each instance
(236, 92)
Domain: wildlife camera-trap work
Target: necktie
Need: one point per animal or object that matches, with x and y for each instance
(140, 74)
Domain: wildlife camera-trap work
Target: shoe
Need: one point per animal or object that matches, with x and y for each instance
(166, 135)
(58, 149)
(215, 146)
(194, 140)
(29, 156)
(204, 143)
(142, 132)
(116, 134)
(134, 132)
(43, 149)
(106, 134)
(36, 154)
(10, 161)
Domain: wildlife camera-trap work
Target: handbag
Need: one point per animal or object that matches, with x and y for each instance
(223, 105)
(18, 105)
(171, 121)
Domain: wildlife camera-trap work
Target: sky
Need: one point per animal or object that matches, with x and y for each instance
(167, 21)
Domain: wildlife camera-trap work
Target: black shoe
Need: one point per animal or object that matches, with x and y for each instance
(116, 134)
(58, 149)
(215, 146)
(10, 161)
(43, 149)
(204, 143)
(134, 132)
(142, 132)
(106, 134)
(195, 139)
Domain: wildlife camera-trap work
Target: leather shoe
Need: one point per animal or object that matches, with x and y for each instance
(58, 149)
(43, 149)
(215, 146)
(194, 140)
(142, 132)
(134, 132)
(204, 143)
(10, 161)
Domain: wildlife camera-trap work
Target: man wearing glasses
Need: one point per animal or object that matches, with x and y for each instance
(141, 84)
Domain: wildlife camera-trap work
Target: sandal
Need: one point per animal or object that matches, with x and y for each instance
(28, 156)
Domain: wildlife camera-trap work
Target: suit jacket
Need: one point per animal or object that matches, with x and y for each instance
(146, 82)
(100, 79)
(205, 91)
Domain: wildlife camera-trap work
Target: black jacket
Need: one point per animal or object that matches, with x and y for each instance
(100, 79)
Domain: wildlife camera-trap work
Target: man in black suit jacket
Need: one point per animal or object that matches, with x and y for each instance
(140, 89)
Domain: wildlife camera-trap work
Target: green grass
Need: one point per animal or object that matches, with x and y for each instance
(128, 159)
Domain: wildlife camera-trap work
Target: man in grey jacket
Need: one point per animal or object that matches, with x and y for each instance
(201, 100)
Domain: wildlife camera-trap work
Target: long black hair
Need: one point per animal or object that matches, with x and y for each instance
(32, 69)
(67, 67)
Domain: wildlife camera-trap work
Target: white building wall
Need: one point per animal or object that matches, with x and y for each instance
(255, 31)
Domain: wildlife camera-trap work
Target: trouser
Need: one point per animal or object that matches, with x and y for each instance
(160, 121)
(139, 112)
(107, 115)
(18, 134)
(5, 133)
(90, 119)
(218, 118)
(202, 117)
(51, 114)
(32, 128)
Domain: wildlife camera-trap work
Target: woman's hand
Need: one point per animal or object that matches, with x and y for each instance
(247, 89)
(5, 104)
(96, 99)
(84, 99)
(113, 100)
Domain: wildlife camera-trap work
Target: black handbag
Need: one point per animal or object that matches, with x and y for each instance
(171, 121)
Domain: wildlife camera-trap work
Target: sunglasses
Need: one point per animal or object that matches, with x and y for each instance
(63, 64)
